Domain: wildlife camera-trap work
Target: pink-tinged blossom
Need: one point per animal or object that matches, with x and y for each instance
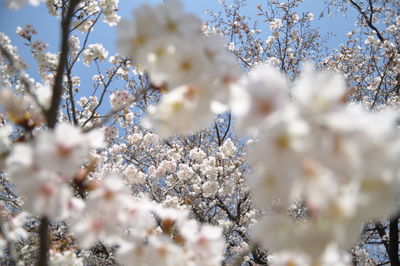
(132, 254)
(327, 165)
(317, 185)
(175, 64)
(334, 256)
(44, 195)
(120, 100)
(138, 218)
(62, 150)
(75, 46)
(95, 138)
(207, 244)
(99, 221)
(185, 172)
(110, 196)
(27, 31)
(259, 94)
(110, 132)
(181, 111)
(91, 228)
(285, 233)
(38, 46)
(197, 155)
(134, 175)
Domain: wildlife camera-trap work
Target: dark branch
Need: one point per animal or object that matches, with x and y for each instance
(51, 114)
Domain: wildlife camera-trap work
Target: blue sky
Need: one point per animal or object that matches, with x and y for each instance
(48, 26)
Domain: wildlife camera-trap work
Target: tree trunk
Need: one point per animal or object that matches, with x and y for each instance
(394, 241)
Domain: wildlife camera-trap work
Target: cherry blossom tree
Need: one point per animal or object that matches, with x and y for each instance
(202, 143)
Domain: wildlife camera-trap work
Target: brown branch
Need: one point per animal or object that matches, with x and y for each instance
(241, 58)
(84, 42)
(393, 251)
(43, 241)
(222, 205)
(51, 114)
(228, 126)
(71, 98)
(105, 87)
(381, 82)
(368, 20)
(381, 231)
(218, 135)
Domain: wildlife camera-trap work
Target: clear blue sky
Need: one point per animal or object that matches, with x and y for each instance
(48, 26)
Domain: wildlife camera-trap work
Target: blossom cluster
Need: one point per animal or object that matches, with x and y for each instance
(306, 171)
(42, 171)
(93, 52)
(87, 8)
(312, 148)
(145, 232)
(195, 70)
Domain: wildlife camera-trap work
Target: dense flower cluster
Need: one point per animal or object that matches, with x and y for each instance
(172, 50)
(313, 149)
(120, 99)
(309, 166)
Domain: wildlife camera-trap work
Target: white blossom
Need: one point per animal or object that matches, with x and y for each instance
(62, 150)
(93, 52)
(276, 24)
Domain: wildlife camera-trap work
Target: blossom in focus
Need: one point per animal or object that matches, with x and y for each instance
(120, 99)
(93, 52)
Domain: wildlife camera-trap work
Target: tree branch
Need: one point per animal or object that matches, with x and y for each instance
(43, 241)
(51, 114)
(393, 251)
(368, 20)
